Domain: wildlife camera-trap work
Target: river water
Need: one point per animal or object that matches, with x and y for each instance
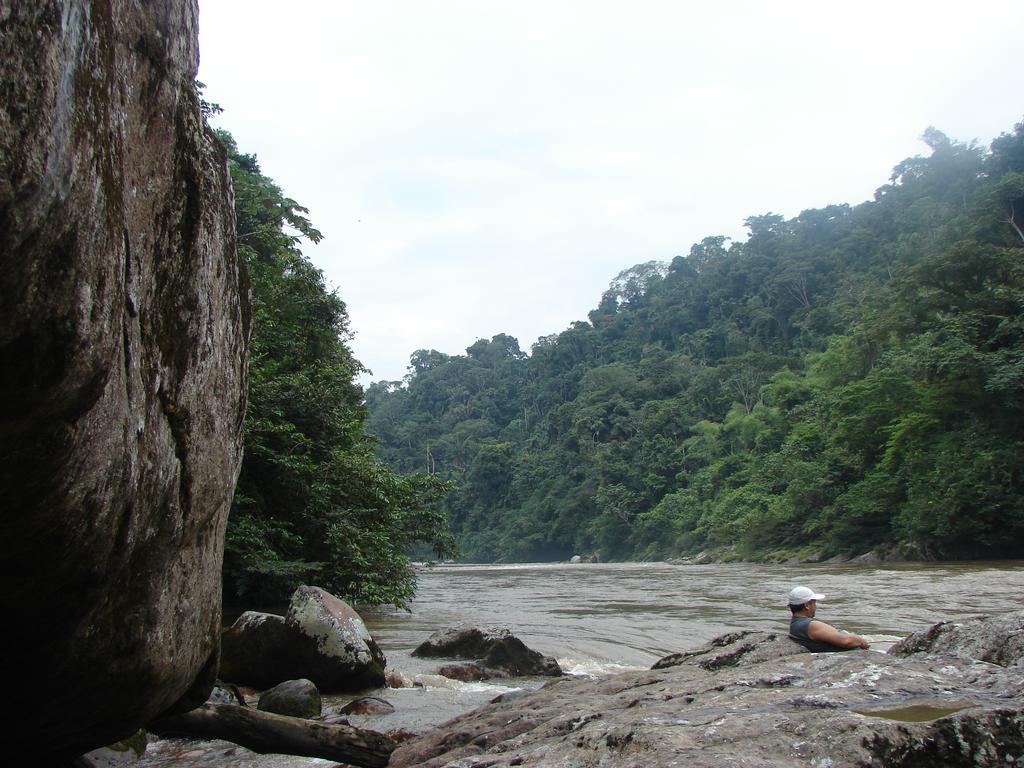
(598, 619)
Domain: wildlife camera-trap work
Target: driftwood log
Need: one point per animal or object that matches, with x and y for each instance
(265, 732)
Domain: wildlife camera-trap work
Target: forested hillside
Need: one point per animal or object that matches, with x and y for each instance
(847, 379)
(313, 503)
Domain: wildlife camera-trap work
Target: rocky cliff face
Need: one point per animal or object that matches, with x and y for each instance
(123, 346)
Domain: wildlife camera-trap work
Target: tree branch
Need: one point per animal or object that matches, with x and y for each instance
(264, 732)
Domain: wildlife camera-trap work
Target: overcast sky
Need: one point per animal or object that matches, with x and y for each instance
(483, 167)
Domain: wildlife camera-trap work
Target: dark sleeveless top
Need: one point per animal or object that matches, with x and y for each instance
(798, 631)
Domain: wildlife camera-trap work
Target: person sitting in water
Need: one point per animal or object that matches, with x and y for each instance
(813, 634)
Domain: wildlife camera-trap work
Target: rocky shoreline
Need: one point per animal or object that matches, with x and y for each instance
(952, 695)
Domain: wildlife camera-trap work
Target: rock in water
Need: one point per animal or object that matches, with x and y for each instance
(123, 350)
(295, 698)
(346, 657)
(367, 705)
(497, 650)
(321, 638)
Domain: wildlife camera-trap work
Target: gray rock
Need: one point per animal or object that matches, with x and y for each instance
(295, 698)
(766, 706)
(321, 639)
(995, 639)
(123, 346)
(367, 705)
(469, 671)
(345, 656)
(735, 649)
(493, 649)
(254, 650)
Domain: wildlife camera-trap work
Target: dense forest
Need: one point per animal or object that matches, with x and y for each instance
(313, 503)
(848, 379)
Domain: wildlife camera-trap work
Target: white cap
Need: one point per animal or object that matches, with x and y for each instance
(801, 595)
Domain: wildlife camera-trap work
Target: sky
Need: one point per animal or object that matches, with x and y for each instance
(481, 167)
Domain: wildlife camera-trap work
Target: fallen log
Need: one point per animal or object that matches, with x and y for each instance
(265, 732)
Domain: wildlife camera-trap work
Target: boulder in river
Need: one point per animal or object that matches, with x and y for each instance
(492, 648)
(367, 705)
(321, 638)
(295, 698)
(745, 699)
(123, 354)
(469, 672)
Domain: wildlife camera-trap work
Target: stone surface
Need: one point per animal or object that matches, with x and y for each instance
(123, 347)
(734, 649)
(251, 649)
(367, 705)
(751, 699)
(996, 639)
(470, 671)
(295, 698)
(320, 638)
(493, 649)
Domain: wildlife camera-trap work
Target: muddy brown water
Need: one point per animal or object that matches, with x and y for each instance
(603, 618)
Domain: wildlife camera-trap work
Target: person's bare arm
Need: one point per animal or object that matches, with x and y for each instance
(826, 633)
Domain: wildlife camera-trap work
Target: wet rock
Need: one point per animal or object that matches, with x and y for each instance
(995, 639)
(493, 649)
(123, 350)
(735, 649)
(469, 672)
(295, 698)
(764, 706)
(321, 639)
(395, 679)
(367, 705)
(703, 558)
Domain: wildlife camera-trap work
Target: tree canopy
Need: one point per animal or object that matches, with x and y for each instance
(847, 379)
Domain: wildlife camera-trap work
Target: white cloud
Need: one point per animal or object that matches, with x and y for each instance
(483, 167)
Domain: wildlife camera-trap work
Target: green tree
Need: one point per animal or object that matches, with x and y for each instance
(313, 503)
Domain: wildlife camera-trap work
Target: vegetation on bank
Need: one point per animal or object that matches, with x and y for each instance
(313, 503)
(848, 379)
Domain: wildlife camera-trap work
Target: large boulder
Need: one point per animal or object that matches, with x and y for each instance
(497, 652)
(320, 638)
(123, 351)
